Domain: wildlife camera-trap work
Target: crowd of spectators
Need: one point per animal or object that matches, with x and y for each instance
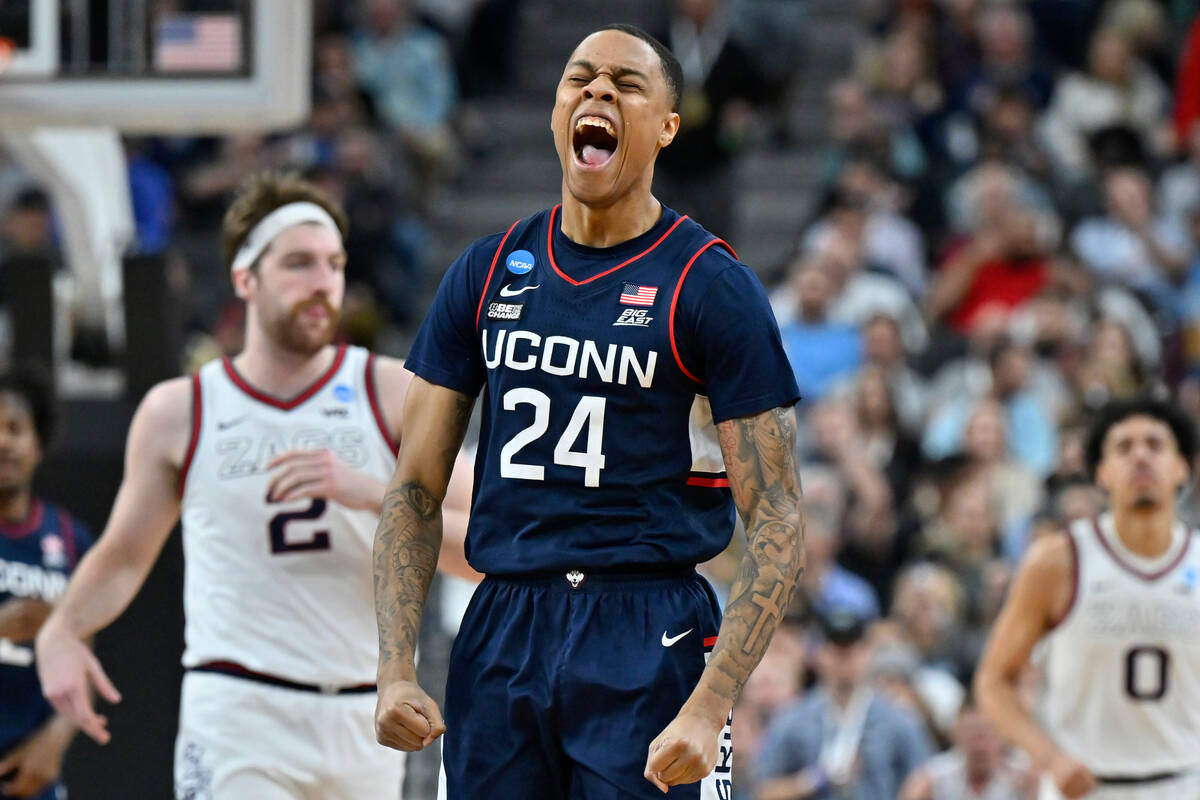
(1009, 237)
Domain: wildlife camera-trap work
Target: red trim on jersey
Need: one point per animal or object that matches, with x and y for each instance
(1074, 584)
(675, 300)
(491, 269)
(711, 483)
(197, 418)
(67, 529)
(1130, 568)
(710, 641)
(32, 521)
(286, 405)
(376, 409)
(626, 262)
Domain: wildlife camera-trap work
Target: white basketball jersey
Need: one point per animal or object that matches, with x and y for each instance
(1122, 683)
(281, 588)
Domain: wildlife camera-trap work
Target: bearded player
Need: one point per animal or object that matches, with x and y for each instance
(276, 462)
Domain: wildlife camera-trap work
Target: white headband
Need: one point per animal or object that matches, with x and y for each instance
(276, 223)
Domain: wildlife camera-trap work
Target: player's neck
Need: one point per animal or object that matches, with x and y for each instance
(280, 372)
(628, 218)
(1145, 532)
(15, 505)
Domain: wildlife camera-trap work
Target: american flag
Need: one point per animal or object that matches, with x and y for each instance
(198, 43)
(634, 295)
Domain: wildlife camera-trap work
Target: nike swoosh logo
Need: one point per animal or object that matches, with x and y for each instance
(506, 292)
(230, 423)
(667, 641)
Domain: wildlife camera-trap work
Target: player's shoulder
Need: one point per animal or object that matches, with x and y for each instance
(390, 375)
(166, 410)
(716, 275)
(169, 399)
(713, 256)
(1050, 557)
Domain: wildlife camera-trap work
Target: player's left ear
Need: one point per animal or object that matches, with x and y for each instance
(670, 127)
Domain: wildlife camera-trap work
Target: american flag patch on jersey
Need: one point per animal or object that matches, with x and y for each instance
(634, 295)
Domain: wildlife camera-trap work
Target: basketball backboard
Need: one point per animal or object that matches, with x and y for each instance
(28, 38)
(156, 66)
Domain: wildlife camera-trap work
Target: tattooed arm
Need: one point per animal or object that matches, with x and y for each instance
(759, 456)
(406, 553)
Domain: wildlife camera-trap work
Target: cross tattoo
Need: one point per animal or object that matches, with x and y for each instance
(770, 608)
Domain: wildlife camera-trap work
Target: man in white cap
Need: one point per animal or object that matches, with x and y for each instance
(276, 461)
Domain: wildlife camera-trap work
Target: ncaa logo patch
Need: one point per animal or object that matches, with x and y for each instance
(519, 262)
(344, 393)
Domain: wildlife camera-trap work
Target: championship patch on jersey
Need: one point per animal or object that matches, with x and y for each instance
(635, 295)
(635, 317)
(506, 311)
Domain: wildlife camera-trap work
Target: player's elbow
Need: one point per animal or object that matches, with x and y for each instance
(989, 686)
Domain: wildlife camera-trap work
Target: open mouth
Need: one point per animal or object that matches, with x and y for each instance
(594, 141)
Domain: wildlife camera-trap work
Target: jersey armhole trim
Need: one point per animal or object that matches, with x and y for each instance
(675, 301)
(1074, 585)
(376, 408)
(487, 281)
(68, 535)
(194, 439)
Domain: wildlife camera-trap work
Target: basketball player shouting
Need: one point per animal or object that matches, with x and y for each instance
(276, 461)
(1117, 602)
(637, 394)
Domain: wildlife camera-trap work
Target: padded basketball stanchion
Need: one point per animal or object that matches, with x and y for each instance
(153, 325)
(29, 284)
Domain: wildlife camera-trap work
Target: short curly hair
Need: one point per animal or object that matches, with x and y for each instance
(32, 384)
(1182, 427)
(262, 193)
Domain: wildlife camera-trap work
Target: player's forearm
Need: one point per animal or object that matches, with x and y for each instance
(759, 458)
(102, 587)
(998, 699)
(406, 552)
(761, 593)
(21, 617)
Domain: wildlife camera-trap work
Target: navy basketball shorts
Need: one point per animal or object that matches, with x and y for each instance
(556, 691)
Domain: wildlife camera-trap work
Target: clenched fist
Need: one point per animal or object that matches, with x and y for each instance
(406, 718)
(685, 752)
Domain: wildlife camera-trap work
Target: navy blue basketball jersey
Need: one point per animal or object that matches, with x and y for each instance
(36, 556)
(605, 371)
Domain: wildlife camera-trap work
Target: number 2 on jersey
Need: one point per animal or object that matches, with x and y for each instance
(589, 412)
(278, 527)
